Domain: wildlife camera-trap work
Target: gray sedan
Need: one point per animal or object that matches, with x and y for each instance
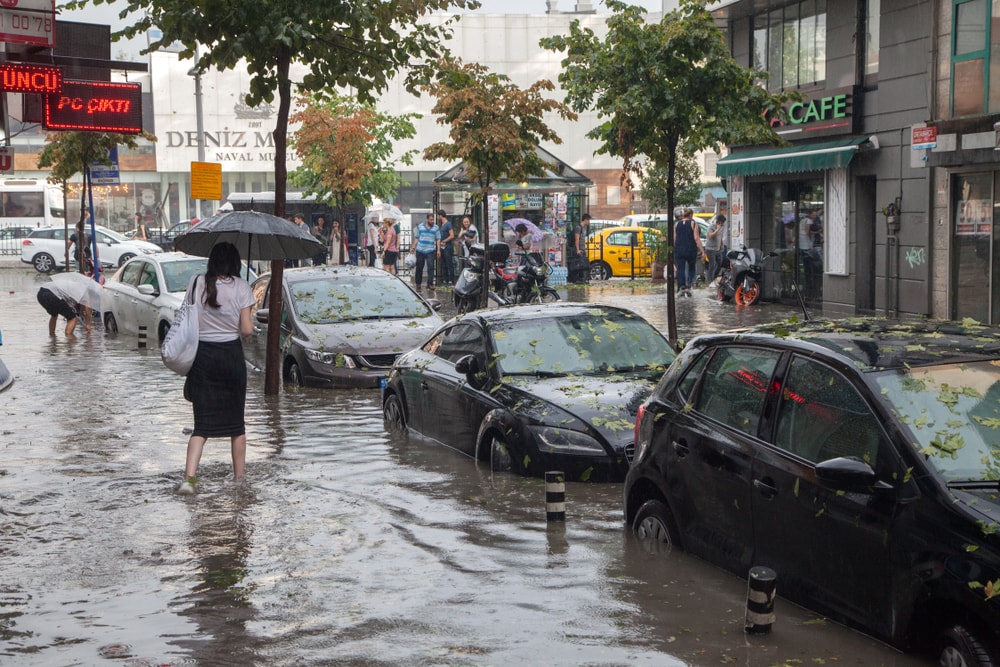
(341, 326)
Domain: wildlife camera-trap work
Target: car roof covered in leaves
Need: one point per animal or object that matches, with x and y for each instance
(872, 344)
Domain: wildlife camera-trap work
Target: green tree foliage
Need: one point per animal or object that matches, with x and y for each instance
(495, 126)
(347, 150)
(687, 182)
(655, 85)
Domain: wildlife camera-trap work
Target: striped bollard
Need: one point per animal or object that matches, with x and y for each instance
(142, 336)
(761, 591)
(555, 496)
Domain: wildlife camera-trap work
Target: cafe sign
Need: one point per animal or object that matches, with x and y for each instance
(824, 113)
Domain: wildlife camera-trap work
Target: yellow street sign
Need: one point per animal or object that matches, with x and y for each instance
(206, 181)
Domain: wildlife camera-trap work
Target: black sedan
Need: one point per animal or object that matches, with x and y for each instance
(860, 460)
(532, 388)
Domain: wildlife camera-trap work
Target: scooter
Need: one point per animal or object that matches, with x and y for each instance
(741, 281)
(468, 292)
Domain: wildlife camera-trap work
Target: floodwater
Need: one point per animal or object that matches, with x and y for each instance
(344, 547)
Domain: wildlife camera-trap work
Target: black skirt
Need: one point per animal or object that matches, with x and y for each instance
(216, 385)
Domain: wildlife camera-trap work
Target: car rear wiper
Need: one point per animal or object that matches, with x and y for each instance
(974, 484)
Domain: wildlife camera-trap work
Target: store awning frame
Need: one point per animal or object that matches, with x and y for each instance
(791, 160)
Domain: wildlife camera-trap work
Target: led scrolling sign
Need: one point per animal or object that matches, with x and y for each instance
(95, 106)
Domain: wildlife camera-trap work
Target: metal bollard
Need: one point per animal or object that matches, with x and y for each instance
(761, 591)
(555, 496)
(142, 336)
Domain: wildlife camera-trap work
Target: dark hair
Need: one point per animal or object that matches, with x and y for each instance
(521, 228)
(721, 218)
(442, 213)
(223, 262)
(586, 216)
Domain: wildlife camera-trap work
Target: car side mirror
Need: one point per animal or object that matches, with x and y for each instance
(148, 290)
(435, 304)
(261, 315)
(470, 367)
(846, 474)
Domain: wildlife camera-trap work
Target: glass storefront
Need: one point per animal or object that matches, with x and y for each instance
(976, 261)
(792, 226)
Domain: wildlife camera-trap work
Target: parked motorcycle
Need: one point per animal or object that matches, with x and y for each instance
(468, 292)
(508, 285)
(741, 281)
(528, 282)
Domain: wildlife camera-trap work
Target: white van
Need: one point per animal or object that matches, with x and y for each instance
(30, 202)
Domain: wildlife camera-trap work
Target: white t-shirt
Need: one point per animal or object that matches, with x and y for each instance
(222, 324)
(372, 235)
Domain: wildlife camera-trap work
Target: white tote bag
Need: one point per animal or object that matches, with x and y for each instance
(180, 345)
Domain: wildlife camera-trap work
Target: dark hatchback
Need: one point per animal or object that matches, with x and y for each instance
(858, 459)
(532, 388)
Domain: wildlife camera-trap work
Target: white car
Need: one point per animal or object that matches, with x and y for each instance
(45, 248)
(148, 290)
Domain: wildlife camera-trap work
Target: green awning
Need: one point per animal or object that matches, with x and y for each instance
(791, 160)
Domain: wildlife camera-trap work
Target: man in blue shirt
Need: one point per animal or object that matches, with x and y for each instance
(427, 249)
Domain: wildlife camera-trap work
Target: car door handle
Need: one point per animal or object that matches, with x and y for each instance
(765, 487)
(680, 448)
(424, 386)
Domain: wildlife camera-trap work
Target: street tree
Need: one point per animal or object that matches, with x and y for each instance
(346, 44)
(347, 150)
(687, 182)
(656, 85)
(495, 126)
(67, 154)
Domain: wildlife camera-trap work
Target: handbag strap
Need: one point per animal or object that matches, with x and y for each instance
(190, 296)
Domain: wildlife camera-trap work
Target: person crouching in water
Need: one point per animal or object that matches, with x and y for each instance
(56, 303)
(216, 385)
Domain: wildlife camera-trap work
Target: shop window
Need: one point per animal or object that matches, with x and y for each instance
(790, 44)
(974, 265)
(975, 58)
(592, 195)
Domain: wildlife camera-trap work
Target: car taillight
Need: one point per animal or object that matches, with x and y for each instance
(27, 242)
(638, 423)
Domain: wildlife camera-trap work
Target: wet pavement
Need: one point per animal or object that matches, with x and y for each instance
(344, 546)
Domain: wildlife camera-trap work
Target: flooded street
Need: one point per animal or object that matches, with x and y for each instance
(343, 547)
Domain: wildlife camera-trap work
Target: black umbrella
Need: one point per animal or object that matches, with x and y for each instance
(258, 236)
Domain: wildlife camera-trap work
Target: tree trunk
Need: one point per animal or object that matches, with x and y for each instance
(272, 367)
(671, 300)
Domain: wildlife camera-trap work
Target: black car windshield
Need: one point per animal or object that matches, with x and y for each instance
(593, 342)
(342, 299)
(953, 413)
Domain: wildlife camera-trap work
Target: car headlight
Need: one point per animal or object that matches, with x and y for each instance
(330, 358)
(564, 441)
(147, 251)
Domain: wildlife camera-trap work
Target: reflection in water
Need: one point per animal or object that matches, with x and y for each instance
(220, 602)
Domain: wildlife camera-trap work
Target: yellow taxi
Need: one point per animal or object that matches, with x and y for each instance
(622, 251)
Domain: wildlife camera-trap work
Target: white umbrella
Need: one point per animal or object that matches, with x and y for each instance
(82, 289)
(383, 211)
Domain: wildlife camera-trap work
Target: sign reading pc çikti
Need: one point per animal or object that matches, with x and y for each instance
(95, 106)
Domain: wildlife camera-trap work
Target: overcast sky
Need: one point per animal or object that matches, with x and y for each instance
(108, 15)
